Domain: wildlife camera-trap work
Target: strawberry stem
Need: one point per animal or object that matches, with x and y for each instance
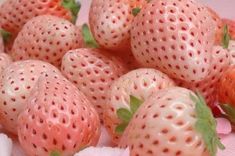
(226, 37)
(5, 35)
(88, 37)
(55, 153)
(73, 6)
(136, 11)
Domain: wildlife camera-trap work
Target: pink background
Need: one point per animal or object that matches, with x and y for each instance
(226, 8)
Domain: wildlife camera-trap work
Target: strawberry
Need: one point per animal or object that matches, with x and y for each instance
(140, 83)
(46, 38)
(226, 86)
(231, 26)
(219, 25)
(207, 87)
(58, 120)
(5, 61)
(175, 37)
(16, 83)
(173, 121)
(92, 71)
(231, 49)
(14, 13)
(110, 22)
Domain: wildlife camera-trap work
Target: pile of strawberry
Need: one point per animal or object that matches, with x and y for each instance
(153, 72)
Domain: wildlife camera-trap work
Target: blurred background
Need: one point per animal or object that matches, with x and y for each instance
(225, 8)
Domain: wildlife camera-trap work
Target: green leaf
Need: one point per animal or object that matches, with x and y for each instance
(135, 11)
(200, 107)
(55, 153)
(229, 111)
(88, 37)
(220, 145)
(124, 114)
(135, 103)
(5, 35)
(73, 6)
(120, 128)
(206, 124)
(226, 37)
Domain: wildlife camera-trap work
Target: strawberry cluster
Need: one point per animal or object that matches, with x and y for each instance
(152, 72)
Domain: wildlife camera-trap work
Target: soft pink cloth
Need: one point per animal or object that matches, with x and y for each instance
(103, 151)
(223, 126)
(83, 14)
(105, 139)
(224, 129)
(229, 142)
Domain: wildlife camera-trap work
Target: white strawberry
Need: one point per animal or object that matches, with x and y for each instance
(172, 122)
(140, 84)
(16, 84)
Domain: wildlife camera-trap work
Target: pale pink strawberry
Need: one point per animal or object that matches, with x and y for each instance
(231, 49)
(58, 119)
(16, 83)
(140, 83)
(164, 125)
(5, 61)
(14, 13)
(219, 63)
(46, 38)
(93, 71)
(219, 26)
(174, 36)
(110, 22)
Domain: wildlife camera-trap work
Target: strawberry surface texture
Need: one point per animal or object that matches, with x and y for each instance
(116, 78)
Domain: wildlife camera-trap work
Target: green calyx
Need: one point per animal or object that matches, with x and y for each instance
(88, 37)
(135, 11)
(206, 125)
(55, 153)
(5, 35)
(125, 115)
(73, 7)
(226, 37)
(229, 112)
